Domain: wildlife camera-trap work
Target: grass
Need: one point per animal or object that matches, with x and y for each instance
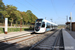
(14, 29)
(60, 27)
(1, 30)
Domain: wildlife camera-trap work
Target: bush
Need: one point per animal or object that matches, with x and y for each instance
(14, 29)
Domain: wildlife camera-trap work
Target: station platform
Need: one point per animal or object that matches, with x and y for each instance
(12, 34)
(69, 41)
(72, 33)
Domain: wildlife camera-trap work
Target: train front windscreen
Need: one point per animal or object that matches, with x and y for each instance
(37, 25)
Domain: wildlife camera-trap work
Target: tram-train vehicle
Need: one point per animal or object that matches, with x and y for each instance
(42, 25)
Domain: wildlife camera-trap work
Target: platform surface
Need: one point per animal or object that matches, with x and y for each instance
(72, 33)
(69, 41)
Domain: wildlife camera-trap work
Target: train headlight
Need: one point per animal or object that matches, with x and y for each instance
(39, 27)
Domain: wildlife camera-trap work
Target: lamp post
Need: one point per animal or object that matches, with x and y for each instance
(21, 25)
(67, 18)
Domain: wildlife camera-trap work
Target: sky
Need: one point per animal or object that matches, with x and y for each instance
(57, 10)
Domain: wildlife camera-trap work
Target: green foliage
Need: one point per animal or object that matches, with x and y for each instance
(5, 14)
(2, 6)
(17, 15)
(14, 15)
(14, 29)
(31, 16)
(12, 11)
(25, 17)
(1, 30)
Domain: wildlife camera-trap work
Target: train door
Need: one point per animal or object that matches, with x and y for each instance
(43, 27)
(48, 27)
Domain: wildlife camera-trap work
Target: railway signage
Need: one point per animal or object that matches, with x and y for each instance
(70, 18)
(6, 25)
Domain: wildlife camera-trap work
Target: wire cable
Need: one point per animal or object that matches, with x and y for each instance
(55, 10)
(71, 8)
(23, 4)
(35, 7)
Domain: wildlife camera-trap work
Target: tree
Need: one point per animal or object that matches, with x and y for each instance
(18, 15)
(25, 17)
(31, 16)
(5, 14)
(13, 14)
(12, 11)
(2, 6)
(34, 18)
(28, 12)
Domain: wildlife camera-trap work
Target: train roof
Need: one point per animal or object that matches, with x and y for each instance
(50, 22)
(47, 21)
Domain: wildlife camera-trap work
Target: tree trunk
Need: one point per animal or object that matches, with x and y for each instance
(11, 23)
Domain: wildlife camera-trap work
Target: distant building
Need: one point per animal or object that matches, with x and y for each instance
(68, 26)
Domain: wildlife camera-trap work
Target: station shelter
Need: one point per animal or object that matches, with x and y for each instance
(68, 26)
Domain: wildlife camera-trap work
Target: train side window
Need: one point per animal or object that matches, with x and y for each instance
(48, 25)
(51, 25)
(43, 24)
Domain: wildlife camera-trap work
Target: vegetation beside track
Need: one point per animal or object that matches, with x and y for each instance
(14, 29)
(15, 17)
(61, 26)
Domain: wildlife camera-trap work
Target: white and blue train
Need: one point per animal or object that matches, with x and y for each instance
(42, 25)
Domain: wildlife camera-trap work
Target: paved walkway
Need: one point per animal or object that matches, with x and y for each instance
(69, 41)
(72, 33)
(12, 34)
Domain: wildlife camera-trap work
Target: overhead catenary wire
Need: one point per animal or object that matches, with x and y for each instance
(36, 4)
(55, 10)
(24, 5)
(71, 8)
(42, 12)
(70, 11)
(39, 6)
(58, 17)
(35, 7)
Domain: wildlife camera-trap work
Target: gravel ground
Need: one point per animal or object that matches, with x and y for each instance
(25, 45)
(47, 43)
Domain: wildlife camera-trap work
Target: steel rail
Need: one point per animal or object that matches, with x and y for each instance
(13, 37)
(55, 42)
(42, 40)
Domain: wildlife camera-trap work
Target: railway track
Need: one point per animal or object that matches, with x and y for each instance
(49, 43)
(11, 38)
(58, 43)
(9, 42)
